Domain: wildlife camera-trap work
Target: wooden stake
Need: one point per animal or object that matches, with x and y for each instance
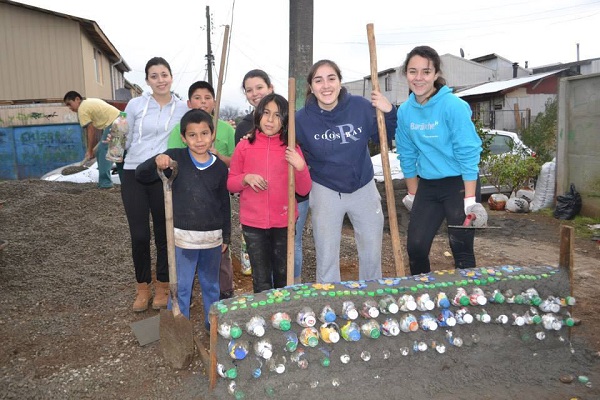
(212, 372)
(385, 163)
(220, 80)
(291, 233)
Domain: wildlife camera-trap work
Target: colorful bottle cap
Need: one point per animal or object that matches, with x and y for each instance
(291, 346)
(231, 373)
(236, 331)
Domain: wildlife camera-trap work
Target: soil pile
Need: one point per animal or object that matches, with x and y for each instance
(67, 284)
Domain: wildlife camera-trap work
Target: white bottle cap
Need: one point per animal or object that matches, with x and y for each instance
(309, 320)
(467, 318)
(393, 308)
(411, 305)
(373, 312)
(259, 330)
(334, 337)
(352, 314)
(451, 321)
(267, 353)
(429, 305)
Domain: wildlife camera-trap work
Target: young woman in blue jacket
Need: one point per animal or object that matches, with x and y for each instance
(439, 153)
(334, 129)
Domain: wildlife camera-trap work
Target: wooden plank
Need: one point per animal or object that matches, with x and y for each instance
(567, 245)
(212, 364)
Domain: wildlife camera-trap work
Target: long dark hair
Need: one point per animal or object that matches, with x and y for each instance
(157, 61)
(432, 55)
(256, 73)
(282, 105)
(313, 70)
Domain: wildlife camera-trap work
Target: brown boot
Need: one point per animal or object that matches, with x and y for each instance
(161, 295)
(142, 298)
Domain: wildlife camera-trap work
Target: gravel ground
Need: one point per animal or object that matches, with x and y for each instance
(67, 285)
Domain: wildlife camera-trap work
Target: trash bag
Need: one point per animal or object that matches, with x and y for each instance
(568, 205)
(517, 205)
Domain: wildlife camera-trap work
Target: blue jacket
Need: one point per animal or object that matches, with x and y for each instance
(438, 139)
(335, 143)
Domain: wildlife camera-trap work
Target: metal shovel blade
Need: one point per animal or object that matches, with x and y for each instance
(176, 339)
(176, 336)
(474, 227)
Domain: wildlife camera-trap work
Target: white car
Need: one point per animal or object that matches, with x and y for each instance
(396, 171)
(78, 173)
(503, 142)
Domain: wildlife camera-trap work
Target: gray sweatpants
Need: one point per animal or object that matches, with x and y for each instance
(363, 207)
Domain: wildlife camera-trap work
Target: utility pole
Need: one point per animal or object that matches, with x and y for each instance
(209, 54)
(301, 46)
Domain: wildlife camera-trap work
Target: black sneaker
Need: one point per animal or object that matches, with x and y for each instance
(226, 295)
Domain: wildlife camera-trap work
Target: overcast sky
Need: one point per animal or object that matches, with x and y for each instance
(538, 31)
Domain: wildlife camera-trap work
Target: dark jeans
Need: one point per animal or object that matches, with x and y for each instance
(140, 200)
(436, 200)
(267, 249)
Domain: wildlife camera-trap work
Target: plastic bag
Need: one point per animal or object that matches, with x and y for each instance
(544, 188)
(517, 205)
(568, 205)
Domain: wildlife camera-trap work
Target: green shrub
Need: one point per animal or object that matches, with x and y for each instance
(540, 136)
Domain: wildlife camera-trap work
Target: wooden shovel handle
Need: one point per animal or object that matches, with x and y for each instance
(168, 195)
(385, 163)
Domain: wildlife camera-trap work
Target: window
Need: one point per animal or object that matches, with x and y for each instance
(98, 65)
(388, 83)
(501, 144)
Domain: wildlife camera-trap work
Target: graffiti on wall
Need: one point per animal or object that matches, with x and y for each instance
(35, 150)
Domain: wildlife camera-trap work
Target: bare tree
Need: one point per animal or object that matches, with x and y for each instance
(229, 112)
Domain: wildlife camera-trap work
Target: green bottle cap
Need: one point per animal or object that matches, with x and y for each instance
(519, 299)
(499, 298)
(285, 325)
(375, 333)
(313, 341)
(231, 373)
(536, 319)
(569, 322)
(536, 300)
(291, 345)
(325, 361)
(464, 301)
(236, 331)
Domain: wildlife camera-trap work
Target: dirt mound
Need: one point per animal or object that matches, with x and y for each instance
(67, 285)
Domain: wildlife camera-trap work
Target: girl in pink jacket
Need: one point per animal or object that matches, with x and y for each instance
(259, 171)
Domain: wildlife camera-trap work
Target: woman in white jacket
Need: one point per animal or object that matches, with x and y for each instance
(151, 118)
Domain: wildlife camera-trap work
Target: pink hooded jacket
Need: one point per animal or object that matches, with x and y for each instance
(266, 157)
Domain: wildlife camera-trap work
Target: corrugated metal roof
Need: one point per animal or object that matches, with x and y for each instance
(493, 87)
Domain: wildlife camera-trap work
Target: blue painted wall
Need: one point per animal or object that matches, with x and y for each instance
(31, 151)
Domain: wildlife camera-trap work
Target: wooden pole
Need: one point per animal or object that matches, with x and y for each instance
(567, 244)
(220, 80)
(212, 372)
(385, 162)
(291, 232)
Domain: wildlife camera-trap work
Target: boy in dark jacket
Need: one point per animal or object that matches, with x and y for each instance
(201, 208)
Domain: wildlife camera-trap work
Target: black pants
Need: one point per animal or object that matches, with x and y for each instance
(267, 249)
(140, 200)
(436, 200)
